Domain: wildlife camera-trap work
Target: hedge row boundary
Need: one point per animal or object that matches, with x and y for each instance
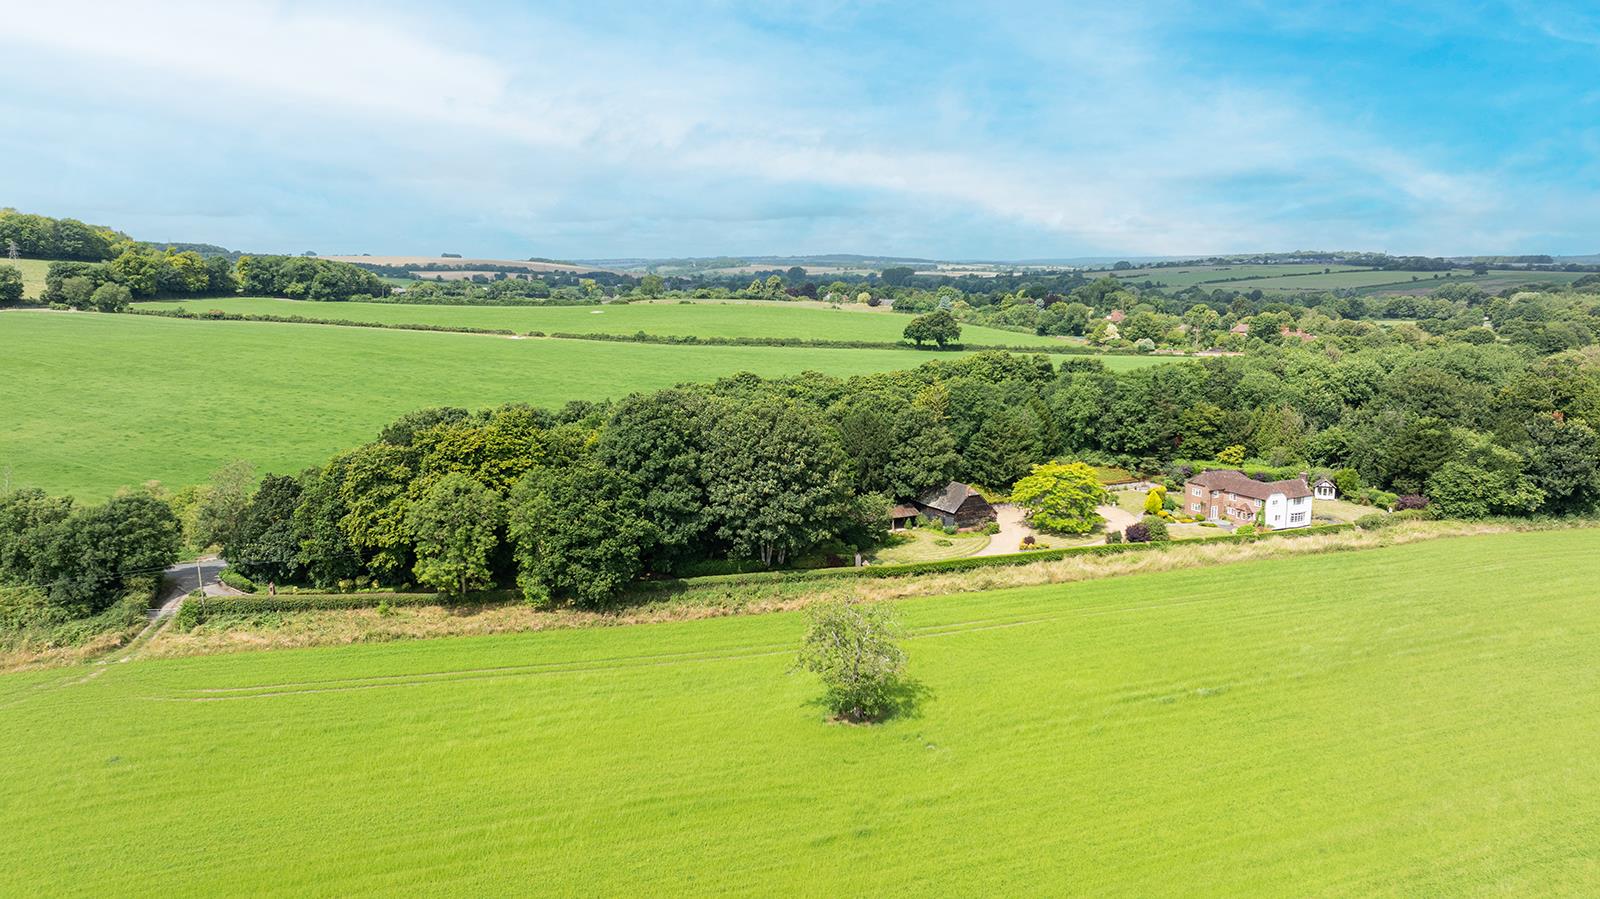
(968, 563)
(304, 602)
(308, 602)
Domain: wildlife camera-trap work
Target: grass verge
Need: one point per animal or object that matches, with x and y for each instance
(244, 628)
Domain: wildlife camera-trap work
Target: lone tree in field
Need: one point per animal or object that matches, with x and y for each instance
(939, 327)
(852, 648)
(1061, 497)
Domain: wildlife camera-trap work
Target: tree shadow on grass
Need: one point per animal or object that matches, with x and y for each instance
(904, 699)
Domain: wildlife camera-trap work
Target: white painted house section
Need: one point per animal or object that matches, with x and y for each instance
(1284, 512)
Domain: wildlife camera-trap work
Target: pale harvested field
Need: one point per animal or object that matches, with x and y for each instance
(463, 264)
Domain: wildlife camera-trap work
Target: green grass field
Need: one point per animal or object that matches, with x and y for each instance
(1297, 278)
(1347, 279)
(33, 272)
(1492, 282)
(1416, 720)
(700, 319)
(1379, 282)
(1180, 277)
(94, 402)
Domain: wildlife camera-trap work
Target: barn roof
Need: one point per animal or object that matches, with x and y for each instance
(947, 498)
(1243, 485)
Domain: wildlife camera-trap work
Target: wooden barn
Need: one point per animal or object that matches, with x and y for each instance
(902, 515)
(955, 504)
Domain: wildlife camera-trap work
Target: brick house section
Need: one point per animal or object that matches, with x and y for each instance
(1236, 498)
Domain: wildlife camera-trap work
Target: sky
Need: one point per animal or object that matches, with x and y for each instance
(994, 131)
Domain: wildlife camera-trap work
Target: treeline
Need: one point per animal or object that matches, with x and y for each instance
(41, 237)
(60, 561)
(306, 278)
(578, 502)
(140, 272)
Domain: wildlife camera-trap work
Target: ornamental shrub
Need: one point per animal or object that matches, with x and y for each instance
(1137, 533)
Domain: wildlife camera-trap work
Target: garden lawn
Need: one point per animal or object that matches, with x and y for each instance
(1415, 720)
(704, 318)
(93, 402)
(930, 544)
(1340, 510)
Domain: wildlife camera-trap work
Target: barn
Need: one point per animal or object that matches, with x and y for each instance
(956, 505)
(903, 515)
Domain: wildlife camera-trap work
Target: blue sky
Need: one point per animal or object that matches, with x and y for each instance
(956, 131)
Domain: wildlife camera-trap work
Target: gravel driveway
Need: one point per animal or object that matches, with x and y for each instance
(1117, 518)
(1012, 529)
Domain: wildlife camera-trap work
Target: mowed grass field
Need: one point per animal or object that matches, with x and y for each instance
(1415, 720)
(699, 319)
(93, 402)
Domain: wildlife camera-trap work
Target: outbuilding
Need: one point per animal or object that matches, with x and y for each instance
(1324, 489)
(903, 515)
(956, 505)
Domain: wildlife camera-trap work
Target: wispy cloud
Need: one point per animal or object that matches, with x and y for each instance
(1097, 134)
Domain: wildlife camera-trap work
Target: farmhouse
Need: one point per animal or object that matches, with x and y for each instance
(955, 504)
(1233, 497)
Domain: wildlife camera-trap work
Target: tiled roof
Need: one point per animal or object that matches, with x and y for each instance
(1243, 485)
(948, 498)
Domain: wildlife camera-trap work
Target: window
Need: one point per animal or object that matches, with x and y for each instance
(1196, 491)
(1297, 518)
(1196, 507)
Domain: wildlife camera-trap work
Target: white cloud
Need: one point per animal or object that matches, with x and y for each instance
(1130, 152)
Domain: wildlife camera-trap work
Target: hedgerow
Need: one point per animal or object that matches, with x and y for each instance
(306, 602)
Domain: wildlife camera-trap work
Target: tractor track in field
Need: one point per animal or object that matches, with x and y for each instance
(613, 663)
